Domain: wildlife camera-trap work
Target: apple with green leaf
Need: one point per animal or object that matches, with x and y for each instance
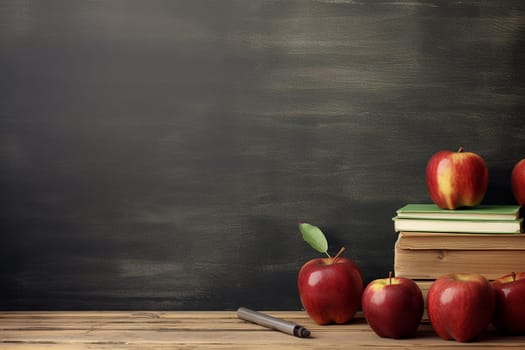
(330, 288)
(456, 179)
(393, 306)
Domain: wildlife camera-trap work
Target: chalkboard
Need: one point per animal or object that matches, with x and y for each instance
(159, 154)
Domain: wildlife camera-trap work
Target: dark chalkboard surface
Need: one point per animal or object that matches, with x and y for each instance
(159, 154)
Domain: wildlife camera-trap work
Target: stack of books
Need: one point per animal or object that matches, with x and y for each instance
(431, 242)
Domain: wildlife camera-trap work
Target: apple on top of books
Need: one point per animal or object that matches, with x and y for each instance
(330, 288)
(456, 179)
(518, 182)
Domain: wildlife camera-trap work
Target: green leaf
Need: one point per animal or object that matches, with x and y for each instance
(314, 237)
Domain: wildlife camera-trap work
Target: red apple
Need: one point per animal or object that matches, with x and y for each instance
(330, 289)
(518, 182)
(393, 307)
(456, 179)
(510, 303)
(460, 306)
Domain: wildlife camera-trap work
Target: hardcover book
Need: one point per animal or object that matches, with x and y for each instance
(460, 241)
(487, 212)
(450, 253)
(459, 225)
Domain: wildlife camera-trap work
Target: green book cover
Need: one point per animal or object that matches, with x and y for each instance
(481, 212)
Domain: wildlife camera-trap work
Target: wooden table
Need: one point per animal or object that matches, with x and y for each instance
(203, 330)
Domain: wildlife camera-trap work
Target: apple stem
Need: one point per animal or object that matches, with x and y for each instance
(389, 277)
(513, 276)
(460, 149)
(341, 251)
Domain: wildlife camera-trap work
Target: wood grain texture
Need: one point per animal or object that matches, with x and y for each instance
(205, 330)
(434, 263)
(459, 241)
(158, 155)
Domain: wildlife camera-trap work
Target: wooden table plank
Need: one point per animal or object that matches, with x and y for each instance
(204, 330)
